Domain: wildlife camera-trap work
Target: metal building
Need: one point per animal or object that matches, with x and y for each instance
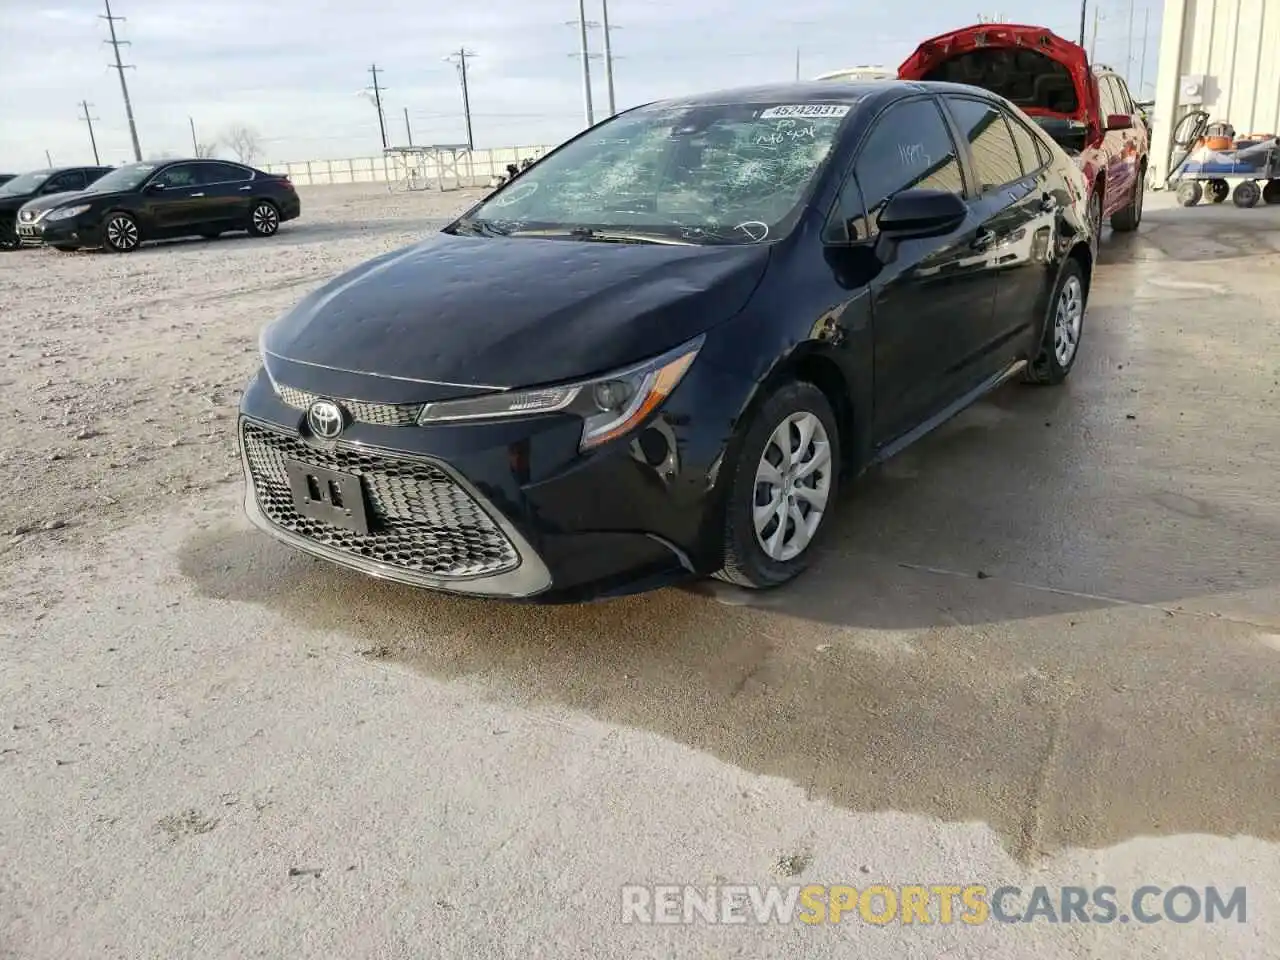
(1220, 56)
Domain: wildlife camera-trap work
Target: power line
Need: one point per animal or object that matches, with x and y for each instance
(377, 102)
(461, 62)
(93, 142)
(120, 68)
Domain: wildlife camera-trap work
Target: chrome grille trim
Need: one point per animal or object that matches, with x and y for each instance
(379, 414)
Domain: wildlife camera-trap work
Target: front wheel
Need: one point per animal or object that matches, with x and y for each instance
(1063, 329)
(1189, 193)
(8, 235)
(1218, 191)
(783, 489)
(121, 233)
(264, 221)
(1246, 194)
(1271, 192)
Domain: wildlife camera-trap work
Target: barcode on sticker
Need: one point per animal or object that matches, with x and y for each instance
(806, 110)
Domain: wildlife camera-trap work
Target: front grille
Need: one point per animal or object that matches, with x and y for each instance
(381, 414)
(420, 519)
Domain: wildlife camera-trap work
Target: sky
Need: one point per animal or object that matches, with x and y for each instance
(293, 71)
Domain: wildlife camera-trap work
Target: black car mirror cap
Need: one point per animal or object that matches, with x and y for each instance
(1119, 121)
(917, 214)
(155, 188)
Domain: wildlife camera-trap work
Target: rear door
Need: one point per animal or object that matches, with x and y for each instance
(1131, 140)
(1015, 209)
(228, 193)
(933, 298)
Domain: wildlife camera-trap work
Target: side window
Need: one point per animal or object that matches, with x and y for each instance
(68, 180)
(223, 173)
(182, 175)
(1030, 150)
(995, 158)
(1123, 100)
(908, 148)
(1107, 97)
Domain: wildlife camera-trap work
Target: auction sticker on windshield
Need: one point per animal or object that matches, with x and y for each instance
(805, 111)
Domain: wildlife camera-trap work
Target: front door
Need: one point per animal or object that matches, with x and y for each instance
(931, 299)
(177, 206)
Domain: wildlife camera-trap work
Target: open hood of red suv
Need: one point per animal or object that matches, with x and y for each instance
(1032, 67)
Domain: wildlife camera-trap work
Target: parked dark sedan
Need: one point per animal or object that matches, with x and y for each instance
(659, 353)
(38, 184)
(154, 201)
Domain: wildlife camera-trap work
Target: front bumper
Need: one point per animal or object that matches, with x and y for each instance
(73, 232)
(503, 509)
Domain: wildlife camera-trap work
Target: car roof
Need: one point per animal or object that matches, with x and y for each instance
(821, 91)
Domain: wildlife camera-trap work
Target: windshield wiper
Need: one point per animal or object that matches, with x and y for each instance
(480, 227)
(597, 235)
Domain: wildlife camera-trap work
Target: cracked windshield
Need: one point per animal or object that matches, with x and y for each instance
(732, 173)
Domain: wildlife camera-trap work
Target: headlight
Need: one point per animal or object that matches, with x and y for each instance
(610, 405)
(66, 213)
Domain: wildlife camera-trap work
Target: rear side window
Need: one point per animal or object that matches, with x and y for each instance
(995, 157)
(1031, 151)
(223, 173)
(909, 148)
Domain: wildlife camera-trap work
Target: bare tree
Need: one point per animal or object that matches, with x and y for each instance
(243, 141)
(206, 150)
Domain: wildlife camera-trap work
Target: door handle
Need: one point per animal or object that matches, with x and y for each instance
(982, 239)
(245, 189)
(196, 194)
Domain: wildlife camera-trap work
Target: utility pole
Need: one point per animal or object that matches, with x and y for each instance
(120, 67)
(195, 144)
(608, 54)
(408, 130)
(1128, 61)
(1084, 15)
(797, 64)
(461, 64)
(48, 158)
(1146, 37)
(92, 140)
(586, 63)
(1093, 44)
(377, 102)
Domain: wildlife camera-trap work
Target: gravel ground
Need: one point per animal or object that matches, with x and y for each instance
(1041, 649)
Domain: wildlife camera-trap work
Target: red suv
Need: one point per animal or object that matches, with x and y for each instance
(1088, 111)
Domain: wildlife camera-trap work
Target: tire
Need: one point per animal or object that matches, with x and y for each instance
(8, 234)
(1128, 219)
(1053, 363)
(1189, 193)
(1095, 219)
(797, 405)
(120, 233)
(1271, 192)
(1218, 191)
(1246, 194)
(264, 219)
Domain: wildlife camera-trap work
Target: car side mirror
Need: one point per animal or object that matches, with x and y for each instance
(1119, 121)
(917, 214)
(155, 188)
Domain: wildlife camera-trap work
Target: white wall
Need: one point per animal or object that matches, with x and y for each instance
(469, 169)
(1236, 44)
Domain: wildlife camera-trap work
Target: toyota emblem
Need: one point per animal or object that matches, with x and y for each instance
(325, 419)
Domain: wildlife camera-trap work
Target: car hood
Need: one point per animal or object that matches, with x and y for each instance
(980, 55)
(51, 200)
(455, 314)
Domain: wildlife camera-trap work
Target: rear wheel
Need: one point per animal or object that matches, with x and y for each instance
(1218, 191)
(121, 234)
(1063, 329)
(784, 487)
(1271, 192)
(264, 221)
(1095, 218)
(1190, 192)
(1246, 194)
(1127, 220)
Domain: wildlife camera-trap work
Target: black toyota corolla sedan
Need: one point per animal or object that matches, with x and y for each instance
(154, 201)
(658, 353)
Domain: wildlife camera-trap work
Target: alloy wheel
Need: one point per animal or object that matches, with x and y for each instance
(122, 233)
(793, 484)
(265, 219)
(1067, 320)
